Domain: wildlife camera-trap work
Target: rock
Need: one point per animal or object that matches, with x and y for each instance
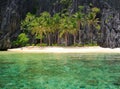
(10, 23)
(110, 31)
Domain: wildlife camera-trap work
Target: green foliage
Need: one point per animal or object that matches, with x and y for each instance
(64, 26)
(80, 17)
(38, 31)
(95, 10)
(28, 23)
(60, 25)
(22, 40)
(81, 8)
(33, 44)
(66, 2)
(92, 20)
(56, 21)
(91, 44)
(43, 44)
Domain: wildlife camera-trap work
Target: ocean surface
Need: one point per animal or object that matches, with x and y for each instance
(59, 71)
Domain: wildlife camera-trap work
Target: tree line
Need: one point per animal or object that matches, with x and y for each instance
(61, 28)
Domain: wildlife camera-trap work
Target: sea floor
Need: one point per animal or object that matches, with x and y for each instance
(59, 71)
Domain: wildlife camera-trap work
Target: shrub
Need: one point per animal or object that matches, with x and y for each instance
(43, 44)
(22, 40)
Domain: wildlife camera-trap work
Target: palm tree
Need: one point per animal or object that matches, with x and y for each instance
(65, 28)
(39, 31)
(80, 20)
(93, 22)
(73, 29)
(26, 24)
(47, 25)
(56, 25)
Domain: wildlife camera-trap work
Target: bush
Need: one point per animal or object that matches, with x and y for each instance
(33, 45)
(22, 40)
(90, 44)
(43, 44)
(55, 45)
(27, 44)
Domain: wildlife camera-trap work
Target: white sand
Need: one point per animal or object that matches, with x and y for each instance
(95, 49)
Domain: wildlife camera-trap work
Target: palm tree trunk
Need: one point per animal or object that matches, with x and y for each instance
(49, 40)
(41, 39)
(91, 34)
(74, 39)
(66, 39)
(58, 40)
(80, 36)
(79, 32)
(55, 39)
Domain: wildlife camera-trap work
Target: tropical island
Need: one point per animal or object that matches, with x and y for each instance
(59, 44)
(63, 23)
(60, 29)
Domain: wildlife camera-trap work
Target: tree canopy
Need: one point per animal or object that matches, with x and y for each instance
(61, 27)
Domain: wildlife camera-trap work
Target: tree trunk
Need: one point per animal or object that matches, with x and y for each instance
(74, 39)
(66, 39)
(55, 39)
(79, 32)
(91, 37)
(80, 36)
(91, 34)
(58, 40)
(41, 40)
(49, 40)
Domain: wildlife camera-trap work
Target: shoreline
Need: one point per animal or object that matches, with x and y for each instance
(94, 49)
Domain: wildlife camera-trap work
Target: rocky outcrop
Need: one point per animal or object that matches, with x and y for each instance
(10, 22)
(13, 11)
(110, 27)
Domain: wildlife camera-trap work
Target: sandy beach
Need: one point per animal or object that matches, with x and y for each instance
(35, 49)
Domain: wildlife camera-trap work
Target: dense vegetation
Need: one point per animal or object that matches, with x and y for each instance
(61, 28)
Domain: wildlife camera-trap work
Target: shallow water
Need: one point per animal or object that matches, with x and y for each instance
(59, 71)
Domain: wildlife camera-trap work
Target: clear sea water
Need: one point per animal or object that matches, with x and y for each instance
(59, 71)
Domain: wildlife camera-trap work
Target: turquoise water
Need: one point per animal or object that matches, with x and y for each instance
(59, 71)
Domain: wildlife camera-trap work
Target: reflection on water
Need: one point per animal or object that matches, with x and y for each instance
(59, 71)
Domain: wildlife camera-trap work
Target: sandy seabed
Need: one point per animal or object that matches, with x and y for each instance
(34, 49)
